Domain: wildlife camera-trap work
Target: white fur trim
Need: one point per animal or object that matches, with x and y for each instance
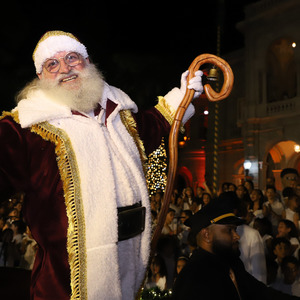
(173, 98)
(118, 96)
(114, 270)
(103, 278)
(53, 44)
(40, 108)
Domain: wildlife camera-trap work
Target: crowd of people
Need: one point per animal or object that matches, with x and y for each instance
(269, 239)
(17, 246)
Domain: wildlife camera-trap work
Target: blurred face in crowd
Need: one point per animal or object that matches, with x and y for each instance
(170, 217)
(188, 192)
(281, 250)
(179, 202)
(183, 217)
(15, 228)
(248, 186)
(283, 230)
(173, 198)
(225, 188)
(155, 268)
(199, 192)
(240, 191)
(255, 196)
(270, 193)
(206, 199)
(289, 180)
(231, 188)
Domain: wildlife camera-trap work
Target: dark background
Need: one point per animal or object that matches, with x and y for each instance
(141, 47)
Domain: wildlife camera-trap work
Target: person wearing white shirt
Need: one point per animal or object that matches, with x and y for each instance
(273, 208)
(252, 252)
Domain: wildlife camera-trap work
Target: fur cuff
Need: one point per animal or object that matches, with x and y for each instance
(168, 105)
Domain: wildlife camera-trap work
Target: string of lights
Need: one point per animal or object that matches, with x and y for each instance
(156, 175)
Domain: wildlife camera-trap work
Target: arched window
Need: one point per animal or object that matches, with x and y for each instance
(281, 70)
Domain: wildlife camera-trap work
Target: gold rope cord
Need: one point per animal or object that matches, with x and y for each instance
(130, 125)
(76, 244)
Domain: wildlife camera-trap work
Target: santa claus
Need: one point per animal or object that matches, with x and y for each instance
(76, 146)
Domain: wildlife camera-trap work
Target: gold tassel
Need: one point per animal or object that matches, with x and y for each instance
(69, 173)
(167, 111)
(129, 123)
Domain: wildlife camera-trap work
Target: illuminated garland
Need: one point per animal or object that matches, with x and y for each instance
(155, 294)
(156, 176)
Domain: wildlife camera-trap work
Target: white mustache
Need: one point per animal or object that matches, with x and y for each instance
(60, 77)
(82, 95)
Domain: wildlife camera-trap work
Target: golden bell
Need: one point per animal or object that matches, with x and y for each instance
(213, 74)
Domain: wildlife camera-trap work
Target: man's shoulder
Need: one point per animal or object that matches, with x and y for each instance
(10, 120)
(200, 254)
(11, 130)
(198, 271)
(203, 262)
(199, 277)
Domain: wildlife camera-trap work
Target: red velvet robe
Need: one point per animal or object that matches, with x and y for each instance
(28, 164)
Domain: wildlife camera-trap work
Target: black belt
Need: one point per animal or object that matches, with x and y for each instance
(131, 221)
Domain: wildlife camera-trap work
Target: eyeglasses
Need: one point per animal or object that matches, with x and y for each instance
(72, 59)
(291, 178)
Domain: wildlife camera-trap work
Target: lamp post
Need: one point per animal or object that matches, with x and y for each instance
(247, 166)
(297, 148)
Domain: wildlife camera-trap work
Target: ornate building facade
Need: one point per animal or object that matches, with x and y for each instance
(260, 121)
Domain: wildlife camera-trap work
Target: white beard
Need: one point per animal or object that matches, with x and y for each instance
(82, 95)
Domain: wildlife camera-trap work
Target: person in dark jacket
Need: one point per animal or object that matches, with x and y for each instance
(215, 270)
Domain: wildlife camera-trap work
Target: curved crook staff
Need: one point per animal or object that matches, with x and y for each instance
(173, 137)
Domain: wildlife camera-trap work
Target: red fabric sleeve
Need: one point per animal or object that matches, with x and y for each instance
(13, 154)
(28, 164)
(152, 126)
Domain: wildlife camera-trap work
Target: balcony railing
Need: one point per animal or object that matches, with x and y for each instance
(285, 106)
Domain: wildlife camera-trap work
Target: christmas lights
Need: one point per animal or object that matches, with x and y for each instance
(156, 175)
(155, 294)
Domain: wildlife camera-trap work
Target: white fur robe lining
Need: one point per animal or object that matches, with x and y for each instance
(111, 175)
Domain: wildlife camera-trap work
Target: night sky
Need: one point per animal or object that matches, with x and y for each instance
(140, 47)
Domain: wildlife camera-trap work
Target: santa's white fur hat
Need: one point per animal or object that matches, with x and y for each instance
(55, 41)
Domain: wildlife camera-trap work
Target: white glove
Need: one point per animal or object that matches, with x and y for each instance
(194, 84)
(175, 96)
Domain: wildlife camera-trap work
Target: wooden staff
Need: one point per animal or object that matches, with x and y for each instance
(173, 137)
